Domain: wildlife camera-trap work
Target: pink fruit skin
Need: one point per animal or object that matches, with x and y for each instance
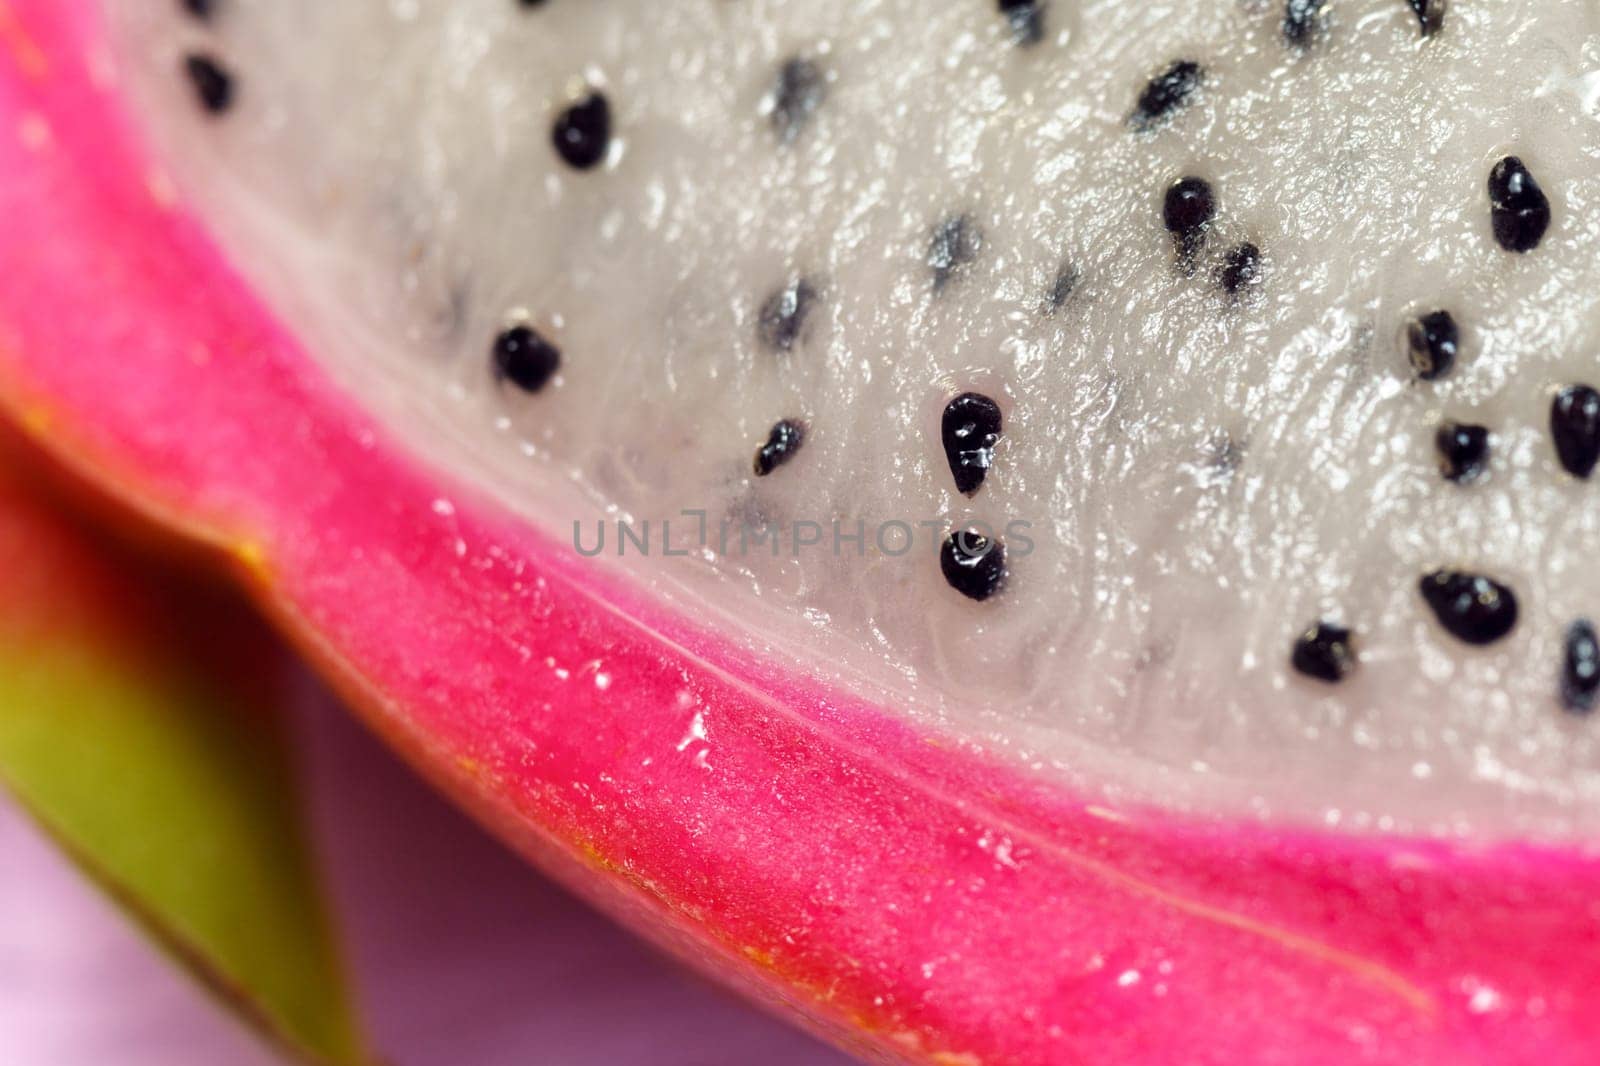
(909, 896)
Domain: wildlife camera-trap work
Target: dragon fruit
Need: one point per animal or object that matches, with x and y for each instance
(1024, 531)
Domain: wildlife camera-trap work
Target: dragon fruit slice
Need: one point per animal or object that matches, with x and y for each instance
(1168, 430)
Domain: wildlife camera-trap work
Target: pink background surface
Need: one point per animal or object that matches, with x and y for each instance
(465, 956)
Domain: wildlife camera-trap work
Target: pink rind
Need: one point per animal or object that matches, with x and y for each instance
(905, 894)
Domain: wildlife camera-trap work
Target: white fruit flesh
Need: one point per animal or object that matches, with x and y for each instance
(1201, 477)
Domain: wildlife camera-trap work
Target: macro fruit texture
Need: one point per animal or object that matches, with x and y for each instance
(1178, 336)
(1256, 744)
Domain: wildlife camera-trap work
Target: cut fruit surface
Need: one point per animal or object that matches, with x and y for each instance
(944, 844)
(1223, 289)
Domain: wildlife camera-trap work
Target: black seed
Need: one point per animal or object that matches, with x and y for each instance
(1471, 607)
(1167, 92)
(1187, 210)
(200, 9)
(800, 91)
(782, 442)
(1190, 204)
(1324, 652)
(974, 565)
(1061, 289)
(1300, 20)
(212, 83)
(1241, 268)
(525, 359)
(783, 316)
(956, 242)
(1463, 451)
(1430, 14)
(969, 430)
(1575, 428)
(1518, 207)
(582, 132)
(1432, 343)
(1026, 18)
(1580, 670)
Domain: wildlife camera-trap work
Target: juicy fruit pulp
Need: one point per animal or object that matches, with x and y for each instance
(899, 887)
(1217, 432)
